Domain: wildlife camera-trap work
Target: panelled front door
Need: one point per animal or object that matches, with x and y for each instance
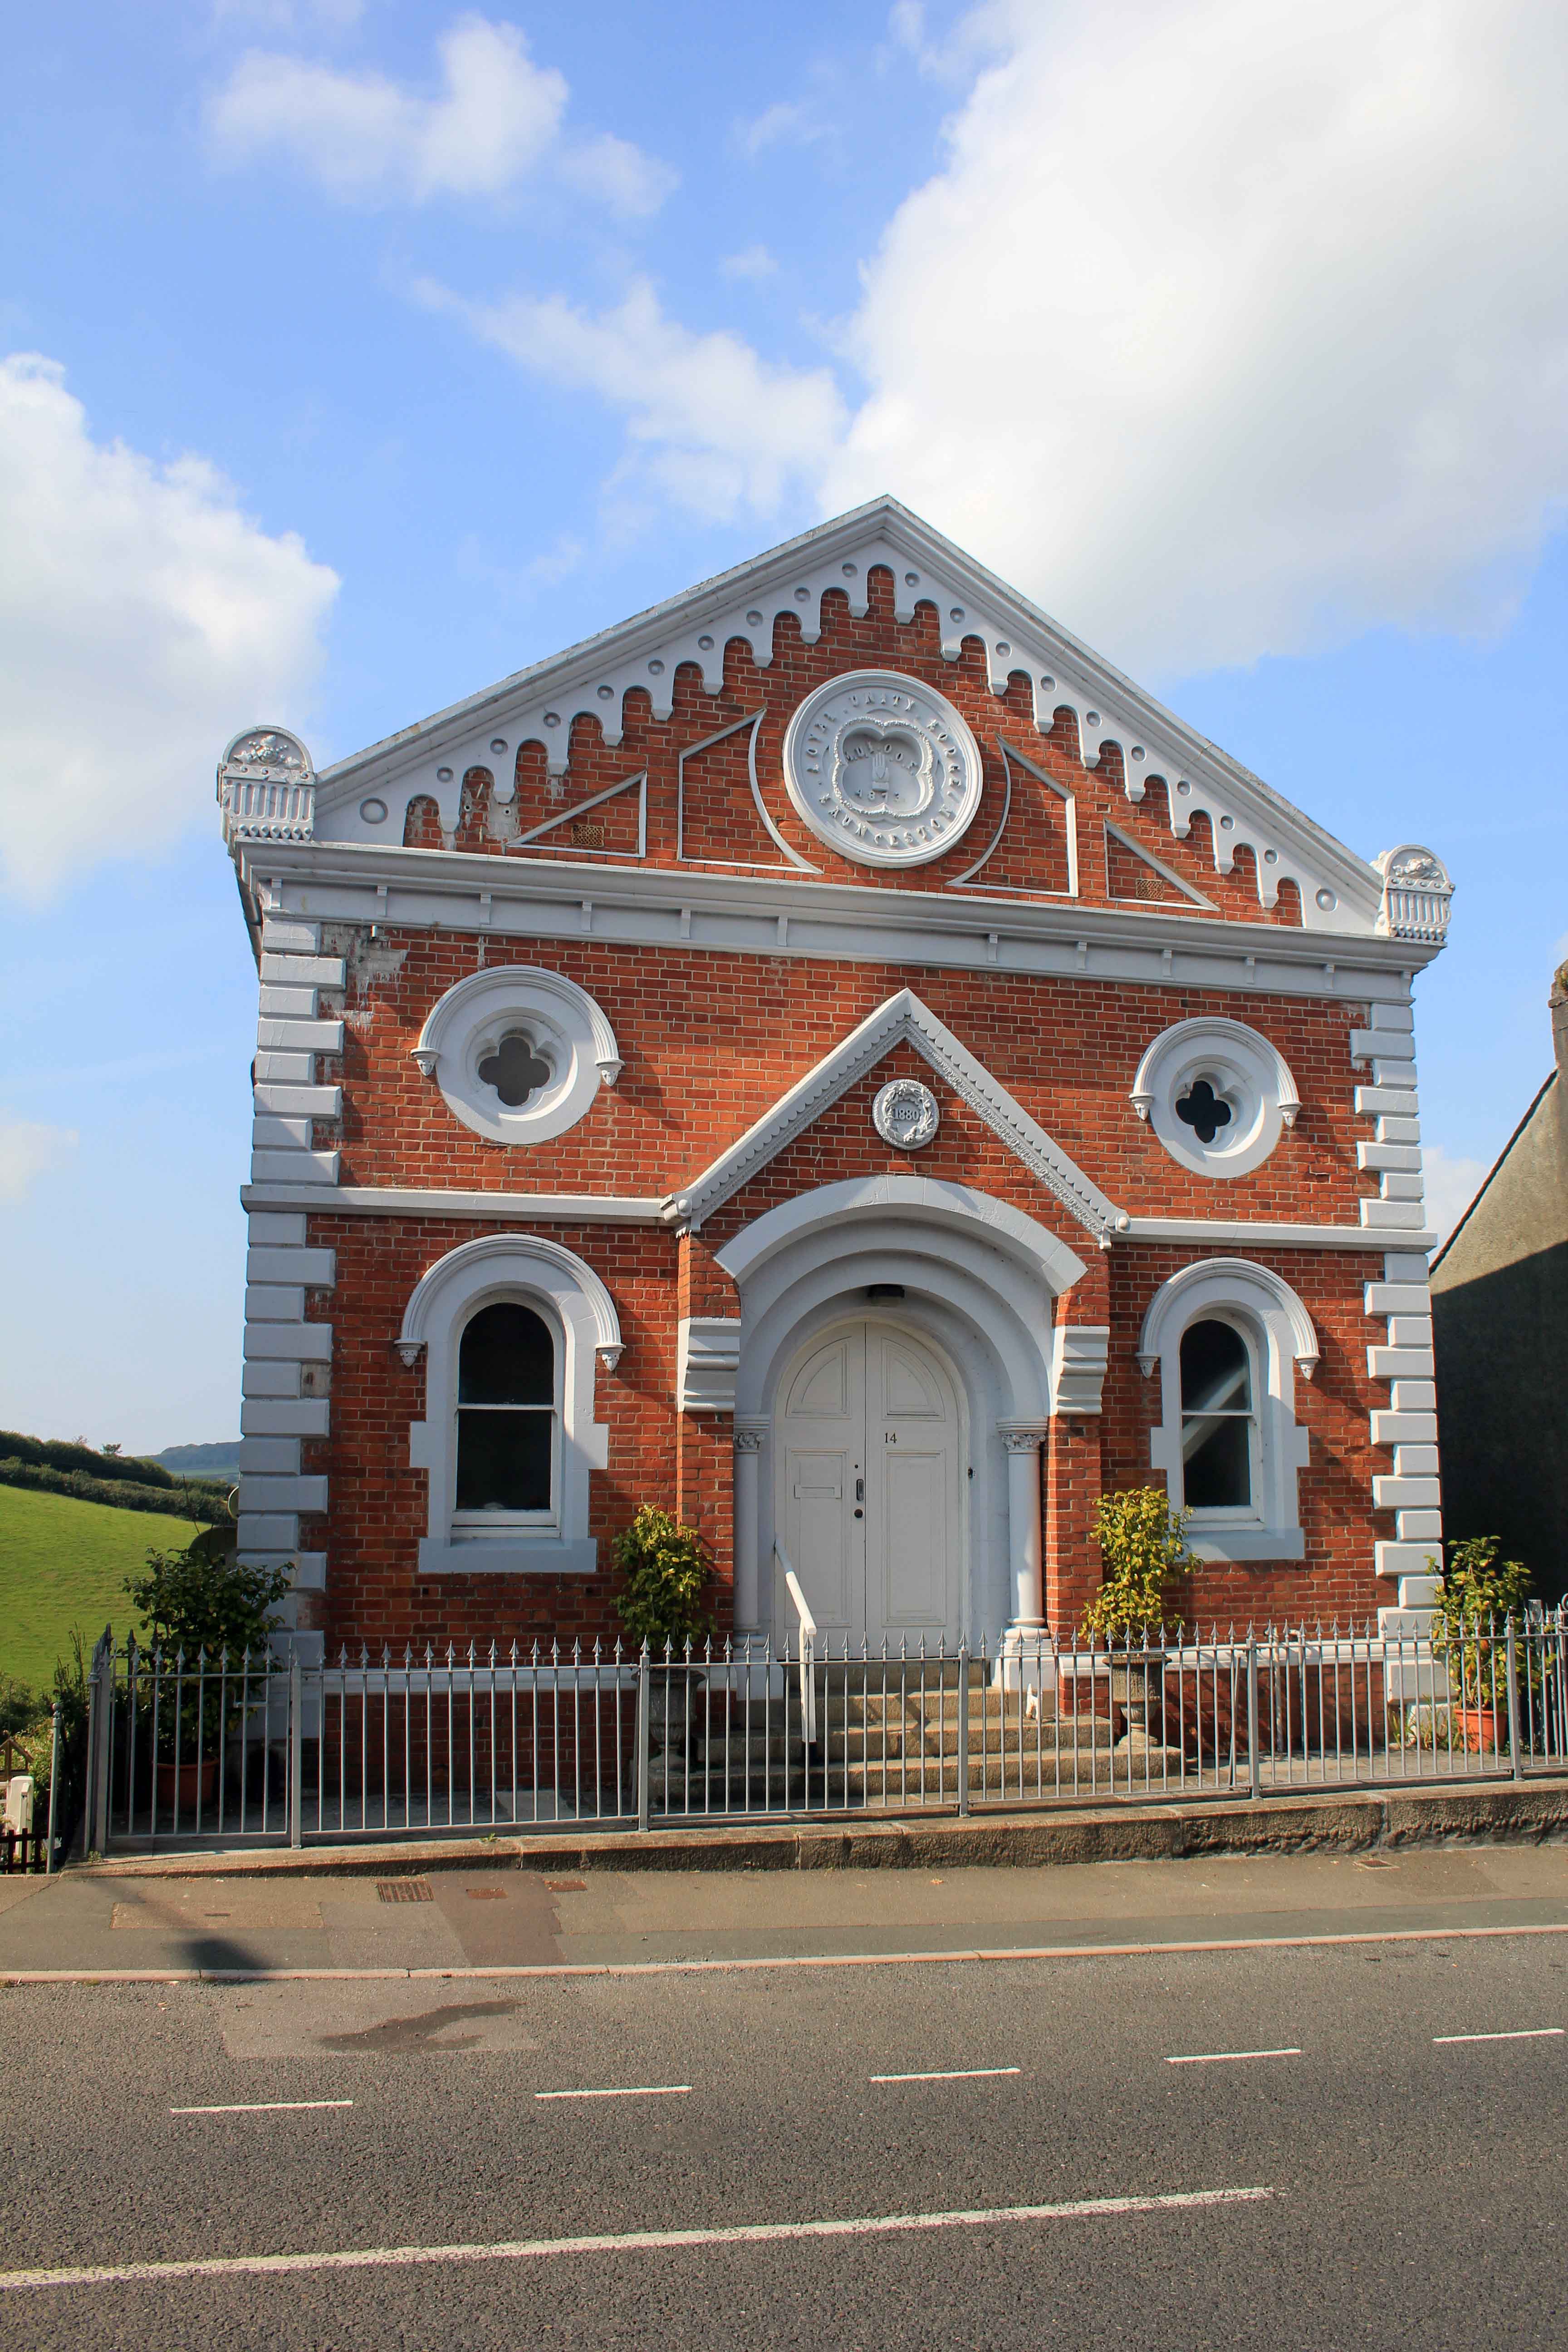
(867, 1448)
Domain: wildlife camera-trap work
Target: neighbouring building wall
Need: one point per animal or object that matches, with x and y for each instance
(1500, 1312)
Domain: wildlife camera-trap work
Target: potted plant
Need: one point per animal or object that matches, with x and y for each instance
(660, 1604)
(204, 1614)
(1143, 1547)
(1470, 1637)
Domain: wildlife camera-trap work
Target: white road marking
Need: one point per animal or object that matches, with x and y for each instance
(949, 2075)
(632, 2241)
(1525, 2033)
(991, 1952)
(631, 2091)
(1229, 2057)
(262, 2107)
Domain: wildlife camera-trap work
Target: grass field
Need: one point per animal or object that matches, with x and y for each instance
(64, 1564)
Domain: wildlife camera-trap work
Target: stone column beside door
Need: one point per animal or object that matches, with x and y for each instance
(1023, 1659)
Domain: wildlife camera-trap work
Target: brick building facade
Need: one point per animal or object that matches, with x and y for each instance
(832, 1057)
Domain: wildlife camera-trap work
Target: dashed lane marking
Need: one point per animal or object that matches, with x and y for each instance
(1229, 2057)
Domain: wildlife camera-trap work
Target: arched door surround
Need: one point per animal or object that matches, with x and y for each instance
(978, 1280)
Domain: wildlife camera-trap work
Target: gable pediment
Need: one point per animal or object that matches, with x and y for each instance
(1116, 729)
(904, 1018)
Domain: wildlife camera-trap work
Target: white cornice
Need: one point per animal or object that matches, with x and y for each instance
(787, 914)
(519, 1208)
(902, 1017)
(1222, 1231)
(538, 704)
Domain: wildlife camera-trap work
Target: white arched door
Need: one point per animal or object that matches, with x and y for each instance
(868, 1445)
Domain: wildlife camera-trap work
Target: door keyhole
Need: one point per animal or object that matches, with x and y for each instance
(859, 1497)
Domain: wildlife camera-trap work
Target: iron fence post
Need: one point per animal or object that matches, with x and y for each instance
(296, 1749)
(1253, 1764)
(644, 1696)
(54, 1786)
(1516, 1760)
(963, 1728)
(99, 1733)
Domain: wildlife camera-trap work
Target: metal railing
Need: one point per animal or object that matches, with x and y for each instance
(265, 1747)
(807, 1638)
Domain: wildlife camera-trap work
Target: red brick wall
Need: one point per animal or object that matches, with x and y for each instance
(711, 1042)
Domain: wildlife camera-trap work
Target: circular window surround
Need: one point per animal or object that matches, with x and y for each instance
(565, 1026)
(1245, 1071)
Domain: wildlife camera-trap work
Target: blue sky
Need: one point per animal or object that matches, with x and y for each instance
(353, 355)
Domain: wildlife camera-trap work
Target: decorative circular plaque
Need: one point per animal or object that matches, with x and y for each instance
(905, 1114)
(882, 768)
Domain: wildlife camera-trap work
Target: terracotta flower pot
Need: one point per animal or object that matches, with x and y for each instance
(183, 1783)
(1483, 1728)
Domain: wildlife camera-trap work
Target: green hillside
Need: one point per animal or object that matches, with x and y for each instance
(64, 1564)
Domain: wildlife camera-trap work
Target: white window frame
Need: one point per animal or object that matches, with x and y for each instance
(1239, 1514)
(565, 1027)
(467, 1524)
(1281, 1341)
(1245, 1070)
(571, 1298)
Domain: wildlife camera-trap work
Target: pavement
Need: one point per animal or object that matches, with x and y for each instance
(502, 1916)
(1278, 2145)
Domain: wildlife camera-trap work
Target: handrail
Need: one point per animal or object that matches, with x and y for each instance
(807, 1646)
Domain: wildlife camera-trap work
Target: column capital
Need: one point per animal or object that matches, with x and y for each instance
(751, 1430)
(1023, 1436)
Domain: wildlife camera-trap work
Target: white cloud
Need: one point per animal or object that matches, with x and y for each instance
(715, 427)
(1223, 330)
(144, 618)
(29, 1149)
(753, 262)
(1451, 1185)
(499, 118)
(788, 123)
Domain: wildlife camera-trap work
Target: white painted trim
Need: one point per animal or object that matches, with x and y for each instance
(459, 1269)
(707, 1356)
(902, 1017)
(536, 834)
(1172, 1307)
(791, 857)
(513, 1208)
(739, 913)
(1260, 1235)
(955, 1207)
(1280, 1337)
(1079, 1355)
(1253, 1065)
(582, 1314)
(569, 1019)
(967, 881)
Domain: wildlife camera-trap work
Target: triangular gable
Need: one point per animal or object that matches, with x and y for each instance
(1120, 849)
(903, 1016)
(592, 679)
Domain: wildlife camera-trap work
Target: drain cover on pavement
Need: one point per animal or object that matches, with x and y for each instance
(404, 1890)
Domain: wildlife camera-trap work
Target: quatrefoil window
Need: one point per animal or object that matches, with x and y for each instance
(515, 1070)
(1202, 1109)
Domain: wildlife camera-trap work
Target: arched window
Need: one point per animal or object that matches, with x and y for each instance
(512, 1330)
(506, 1413)
(1219, 1419)
(1228, 1341)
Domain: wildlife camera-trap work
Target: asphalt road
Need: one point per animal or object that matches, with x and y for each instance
(1413, 2186)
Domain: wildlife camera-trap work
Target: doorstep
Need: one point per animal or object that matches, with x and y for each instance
(1347, 1820)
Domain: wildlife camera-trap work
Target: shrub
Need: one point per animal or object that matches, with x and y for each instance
(1469, 1617)
(192, 1601)
(1143, 1545)
(665, 1570)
